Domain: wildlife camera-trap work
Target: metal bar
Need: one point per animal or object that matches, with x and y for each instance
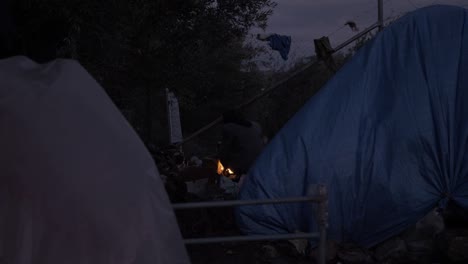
(209, 240)
(380, 15)
(201, 130)
(346, 43)
(314, 198)
(323, 225)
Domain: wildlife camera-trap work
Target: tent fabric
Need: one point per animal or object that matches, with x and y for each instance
(387, 135)
(77, 184)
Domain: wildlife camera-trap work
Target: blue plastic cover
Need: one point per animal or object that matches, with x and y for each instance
(388, 136)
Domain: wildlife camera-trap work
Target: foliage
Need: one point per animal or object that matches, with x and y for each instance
(136, 49)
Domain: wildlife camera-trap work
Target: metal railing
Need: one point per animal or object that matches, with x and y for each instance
(318, 196)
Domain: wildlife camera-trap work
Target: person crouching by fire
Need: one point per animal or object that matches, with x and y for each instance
(242, 142)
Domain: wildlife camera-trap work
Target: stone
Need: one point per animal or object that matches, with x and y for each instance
(428, 228)
(300, 245)
(393, 248)
(269, 252)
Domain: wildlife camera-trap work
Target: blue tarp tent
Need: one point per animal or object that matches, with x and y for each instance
(388, 135)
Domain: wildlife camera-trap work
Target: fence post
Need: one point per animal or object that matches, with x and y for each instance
(380, 15)
(323, 224)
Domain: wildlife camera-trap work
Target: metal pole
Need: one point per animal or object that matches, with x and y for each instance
(349, 41)
(323, 225)
(209, 240)
(380, 15)
(149, 123)
(213, 204)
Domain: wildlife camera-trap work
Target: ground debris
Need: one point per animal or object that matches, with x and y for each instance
(393, 248)
(353, 254)
(454, 245)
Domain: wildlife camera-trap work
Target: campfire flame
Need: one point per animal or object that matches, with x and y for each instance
(224, 171)
(220, 170)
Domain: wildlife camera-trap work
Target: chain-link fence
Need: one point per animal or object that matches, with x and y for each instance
(148, 115)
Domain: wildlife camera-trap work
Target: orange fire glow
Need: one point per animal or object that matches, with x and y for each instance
(220, 170)
(224, 171)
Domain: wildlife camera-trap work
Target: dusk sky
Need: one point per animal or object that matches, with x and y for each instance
(306, 20)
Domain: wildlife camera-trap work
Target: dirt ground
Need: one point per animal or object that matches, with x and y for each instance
(245, 253)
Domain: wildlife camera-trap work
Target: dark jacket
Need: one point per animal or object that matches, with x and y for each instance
(241, 145)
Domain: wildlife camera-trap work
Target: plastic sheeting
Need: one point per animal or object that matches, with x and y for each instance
(280, 43)
(77, 184)
(387, 135)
